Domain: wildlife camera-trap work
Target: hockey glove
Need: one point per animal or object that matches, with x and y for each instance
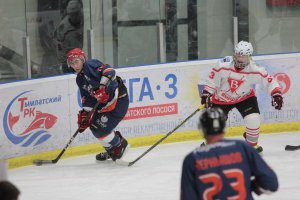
(255, 188)
(206, 99)
(83, 121)
(277, 100)
(101, 94)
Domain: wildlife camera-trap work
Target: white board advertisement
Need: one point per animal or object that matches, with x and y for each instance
(40, 115)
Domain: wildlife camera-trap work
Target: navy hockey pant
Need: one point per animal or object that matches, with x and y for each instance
(103, 123)
(245, 107)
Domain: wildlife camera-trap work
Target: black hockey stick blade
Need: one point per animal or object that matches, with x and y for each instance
(122, 162)
(41, 162)
(54, 161)
(292, 147)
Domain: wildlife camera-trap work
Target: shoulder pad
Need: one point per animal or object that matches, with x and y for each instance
(225, 62)
(226, 59)
(257, 68)
(93, 63)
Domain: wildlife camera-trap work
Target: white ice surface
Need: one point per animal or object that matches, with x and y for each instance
(154, 177)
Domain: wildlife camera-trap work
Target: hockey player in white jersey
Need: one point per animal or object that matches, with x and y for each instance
(230, 85)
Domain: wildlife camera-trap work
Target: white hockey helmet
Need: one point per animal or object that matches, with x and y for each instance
(243, 48)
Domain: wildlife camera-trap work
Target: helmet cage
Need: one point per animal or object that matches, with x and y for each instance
(72, 61)
(238, 64)
(242, 49)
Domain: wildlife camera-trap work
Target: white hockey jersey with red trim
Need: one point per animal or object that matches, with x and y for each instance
(230, 86)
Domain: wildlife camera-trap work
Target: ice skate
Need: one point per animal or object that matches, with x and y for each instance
(202, 144)
(102, 156)
(117, 152)
(258, 148)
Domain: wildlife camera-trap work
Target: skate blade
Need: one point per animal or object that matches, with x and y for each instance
(104, 161)
(122, 162)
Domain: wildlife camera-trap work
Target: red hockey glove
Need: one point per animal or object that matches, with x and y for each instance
(101, 94)
(277, 100)
(83, 121)
(206, 99)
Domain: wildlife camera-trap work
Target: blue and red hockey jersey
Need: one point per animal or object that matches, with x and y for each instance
(89, 79)
(223, 171)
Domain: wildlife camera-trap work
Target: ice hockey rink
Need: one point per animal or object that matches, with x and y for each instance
(155, 177)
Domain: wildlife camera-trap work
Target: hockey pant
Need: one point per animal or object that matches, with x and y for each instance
(103, 124)
(250, 112)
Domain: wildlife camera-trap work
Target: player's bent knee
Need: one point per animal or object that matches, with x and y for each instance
(252, 120)
(99, 132)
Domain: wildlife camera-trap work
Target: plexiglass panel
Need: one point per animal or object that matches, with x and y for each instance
(54, 28)
(125, 32)
(274, 28)
(12, 32)
(215, 28)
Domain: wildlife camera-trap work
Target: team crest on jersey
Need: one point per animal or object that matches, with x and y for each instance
(234, 84)
(102, 121)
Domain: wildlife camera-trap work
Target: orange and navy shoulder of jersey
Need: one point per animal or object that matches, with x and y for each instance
(89, 78)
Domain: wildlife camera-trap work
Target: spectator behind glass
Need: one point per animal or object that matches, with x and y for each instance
(69, 33)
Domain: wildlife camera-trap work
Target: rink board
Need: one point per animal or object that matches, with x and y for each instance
(39, 116)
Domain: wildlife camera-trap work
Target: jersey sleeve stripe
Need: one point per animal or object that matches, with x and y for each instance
(107, 70)
(228, 69)
(101, 67)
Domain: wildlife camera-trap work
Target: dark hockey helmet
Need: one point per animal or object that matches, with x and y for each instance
(212, 121)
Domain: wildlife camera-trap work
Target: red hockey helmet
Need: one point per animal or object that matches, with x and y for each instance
(75, 54)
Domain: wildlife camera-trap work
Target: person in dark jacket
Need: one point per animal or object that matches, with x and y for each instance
(69, 32)
(224, 168)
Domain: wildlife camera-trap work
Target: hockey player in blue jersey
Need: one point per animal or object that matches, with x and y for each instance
(98, 82)
(224, 169)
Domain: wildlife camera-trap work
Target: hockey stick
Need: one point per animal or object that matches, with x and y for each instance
(125, 163)
(292, 147)
(41, 162)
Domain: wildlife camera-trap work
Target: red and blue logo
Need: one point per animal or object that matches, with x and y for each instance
(24, 124)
